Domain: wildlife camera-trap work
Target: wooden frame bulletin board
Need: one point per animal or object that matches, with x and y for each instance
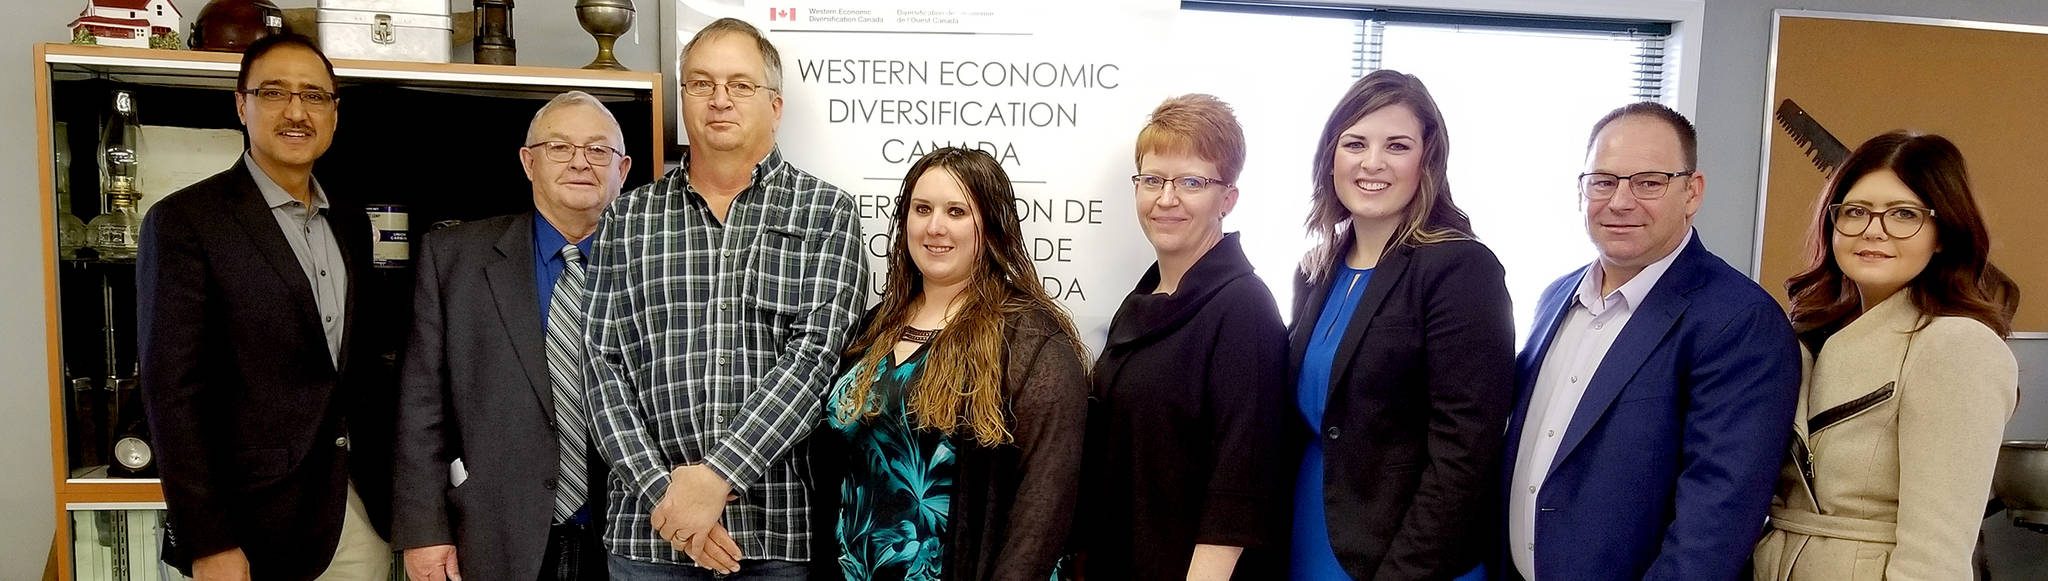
(1855, 76)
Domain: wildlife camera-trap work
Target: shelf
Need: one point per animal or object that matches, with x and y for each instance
(201, 69)
(77, 490)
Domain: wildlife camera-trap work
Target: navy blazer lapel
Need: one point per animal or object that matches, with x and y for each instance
(260, 224)
(513, 288)
(1645, 334)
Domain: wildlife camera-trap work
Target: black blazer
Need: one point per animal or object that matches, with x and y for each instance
(476, 387)
(257, 431)
(1421, 385)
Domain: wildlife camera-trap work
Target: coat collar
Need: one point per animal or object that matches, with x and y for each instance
(1145, 314)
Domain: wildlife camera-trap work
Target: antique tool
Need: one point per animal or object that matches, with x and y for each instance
(1822, 148)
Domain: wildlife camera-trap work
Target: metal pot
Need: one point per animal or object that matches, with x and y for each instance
(2021, 482)
(605, 20)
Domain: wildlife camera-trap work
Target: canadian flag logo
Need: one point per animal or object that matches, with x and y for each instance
(775, 14)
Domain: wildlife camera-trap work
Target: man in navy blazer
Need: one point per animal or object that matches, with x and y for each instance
(1656, 389)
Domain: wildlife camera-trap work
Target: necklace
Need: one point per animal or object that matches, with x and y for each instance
(918, 336)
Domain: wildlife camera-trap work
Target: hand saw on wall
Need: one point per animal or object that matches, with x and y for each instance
(1826, 152)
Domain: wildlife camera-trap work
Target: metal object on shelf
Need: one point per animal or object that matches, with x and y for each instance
(2021, 483)
(494, 43)
(391, 30)
(115, 232)
(233, 25)
(71, 232)
(605, 20)
(390, 234)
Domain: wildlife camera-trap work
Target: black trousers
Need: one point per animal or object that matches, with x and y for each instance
(575, 553)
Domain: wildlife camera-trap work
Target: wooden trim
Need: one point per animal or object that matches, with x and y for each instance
(71, 492)
(191, 56)
(52, 342)
(660, 149)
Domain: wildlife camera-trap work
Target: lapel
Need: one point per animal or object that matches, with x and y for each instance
(512, 289)
(256, 219)
(1549, 310)
(350, 228)
(1644, 334)
(1393, 264)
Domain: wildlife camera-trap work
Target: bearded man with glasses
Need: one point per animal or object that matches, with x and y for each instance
(263, 385)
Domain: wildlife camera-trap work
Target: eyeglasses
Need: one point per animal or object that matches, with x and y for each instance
(1899, 221)
(1189, 184)
(318, 100)
(1648, 185)
(563, 151)
(737, 89)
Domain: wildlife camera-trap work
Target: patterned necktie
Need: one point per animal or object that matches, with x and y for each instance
(565, 370)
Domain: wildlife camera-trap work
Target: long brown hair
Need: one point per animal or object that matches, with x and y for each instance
(1431, 216)
(961, 387)
(1959, 281)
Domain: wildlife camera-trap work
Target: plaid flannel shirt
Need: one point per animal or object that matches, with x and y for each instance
(715, 343)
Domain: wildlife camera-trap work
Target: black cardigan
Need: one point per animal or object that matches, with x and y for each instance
(1183, 422)
(1013, 505)
(1421, 385)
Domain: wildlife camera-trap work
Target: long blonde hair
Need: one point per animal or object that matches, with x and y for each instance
(961, 388)
(1430, 217)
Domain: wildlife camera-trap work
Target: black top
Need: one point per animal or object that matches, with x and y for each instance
(1184, 420)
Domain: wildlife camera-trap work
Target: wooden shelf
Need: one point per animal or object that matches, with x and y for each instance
(106, 490)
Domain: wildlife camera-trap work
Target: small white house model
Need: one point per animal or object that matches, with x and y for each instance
(127, 22)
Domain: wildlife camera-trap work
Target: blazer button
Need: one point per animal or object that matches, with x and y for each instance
(341, 442)
(1331, 432)
(550, 484)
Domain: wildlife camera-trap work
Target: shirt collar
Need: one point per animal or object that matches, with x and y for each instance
(548, 240)
(762, 169)
(274, 195)
(1632, 292)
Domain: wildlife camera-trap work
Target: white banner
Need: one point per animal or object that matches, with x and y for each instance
(1055, 90)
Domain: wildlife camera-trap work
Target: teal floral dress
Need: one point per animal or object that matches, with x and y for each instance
(898, 489)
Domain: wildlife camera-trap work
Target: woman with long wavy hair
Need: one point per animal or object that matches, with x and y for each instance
(1402, 351)
(951, 447)
(1909, 382)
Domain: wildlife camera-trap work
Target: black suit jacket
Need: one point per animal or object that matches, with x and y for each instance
(1420, 387)
(476, 387)
(257, 430)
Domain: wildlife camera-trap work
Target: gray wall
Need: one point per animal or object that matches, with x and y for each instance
(547, 34)
(1730, 118)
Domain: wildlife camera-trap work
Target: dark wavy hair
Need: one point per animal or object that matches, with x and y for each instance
(961, 387)
(1959, 281)
(1430, 218)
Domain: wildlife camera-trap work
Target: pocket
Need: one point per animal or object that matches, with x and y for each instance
(1870, 564)
(264, 466)
(776, 276)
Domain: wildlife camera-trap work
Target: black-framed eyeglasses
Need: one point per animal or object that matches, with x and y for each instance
(1898, 222)
(312, 99)
(1647, 185)
(1190, 184)
(737, 89)
(563, 151)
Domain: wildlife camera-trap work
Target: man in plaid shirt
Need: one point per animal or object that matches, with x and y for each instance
(719, 296)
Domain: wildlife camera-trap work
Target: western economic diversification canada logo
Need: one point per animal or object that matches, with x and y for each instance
(775, 14)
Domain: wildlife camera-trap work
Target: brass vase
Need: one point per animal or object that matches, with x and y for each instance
(605, 20)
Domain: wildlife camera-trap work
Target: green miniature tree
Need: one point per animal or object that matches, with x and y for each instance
(82, 35)
(166, 41)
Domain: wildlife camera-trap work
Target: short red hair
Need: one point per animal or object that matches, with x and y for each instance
(1196, 124)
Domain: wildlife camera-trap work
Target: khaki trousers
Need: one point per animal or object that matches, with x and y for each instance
(361, 555)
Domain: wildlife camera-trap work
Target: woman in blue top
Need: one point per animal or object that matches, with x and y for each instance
(1403, 346)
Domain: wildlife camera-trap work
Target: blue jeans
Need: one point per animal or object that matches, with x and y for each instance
(624, 569)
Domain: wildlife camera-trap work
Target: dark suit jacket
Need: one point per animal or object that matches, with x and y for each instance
(476, 387)
(248, 411)
(1667, 467)
(1421, 384)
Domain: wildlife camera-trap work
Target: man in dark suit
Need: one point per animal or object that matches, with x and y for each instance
(1656, 388)
(498, 476)
(262, 381)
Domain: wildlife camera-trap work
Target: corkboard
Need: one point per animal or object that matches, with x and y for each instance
(1980, 85)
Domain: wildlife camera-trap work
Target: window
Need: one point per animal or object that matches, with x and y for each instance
(1518, 96)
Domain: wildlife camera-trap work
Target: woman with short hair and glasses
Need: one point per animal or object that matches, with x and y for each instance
(1185, 411)
(1402, 349)
(951, 444)
(1909, 381)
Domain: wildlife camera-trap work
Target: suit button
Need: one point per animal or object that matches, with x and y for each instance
(550, 485)
(341, 442)
(551, 423)
(1331, 432)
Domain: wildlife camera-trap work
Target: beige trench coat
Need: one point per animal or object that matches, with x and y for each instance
(1894, 442)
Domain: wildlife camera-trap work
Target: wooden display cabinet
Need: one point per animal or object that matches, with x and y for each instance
(439, 139)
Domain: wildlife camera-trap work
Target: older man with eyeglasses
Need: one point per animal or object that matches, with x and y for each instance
(264, 385)
(498, 471)
(720, 295)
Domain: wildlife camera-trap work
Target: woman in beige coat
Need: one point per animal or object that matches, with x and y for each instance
(1909, 384)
